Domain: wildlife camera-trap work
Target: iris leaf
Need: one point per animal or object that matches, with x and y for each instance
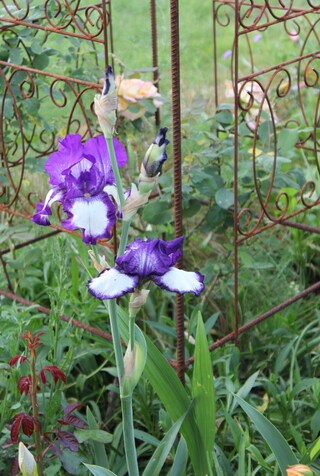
(280, 448)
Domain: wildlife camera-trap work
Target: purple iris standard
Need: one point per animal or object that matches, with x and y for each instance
(147, 260)
(82, 180)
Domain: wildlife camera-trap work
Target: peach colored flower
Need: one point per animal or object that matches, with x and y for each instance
(130, 92)
(299, 470)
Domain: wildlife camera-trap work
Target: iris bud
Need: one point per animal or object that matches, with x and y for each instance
(137, 301)
(156, 155)
(27, 463)
(299, 470)
(105, 104)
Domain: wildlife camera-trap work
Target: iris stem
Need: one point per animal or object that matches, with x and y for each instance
(115, 169)
(126, 402)
(112, 306)
(128, 432)
(124, 236)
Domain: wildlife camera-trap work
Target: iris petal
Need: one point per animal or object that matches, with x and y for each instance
(97, 147)
(69, 153)
(150, 256)
(95, 216)
(143, 258)
(43, 208)
(111, 284)
(180, 281)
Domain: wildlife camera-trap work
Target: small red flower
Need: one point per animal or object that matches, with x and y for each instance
(24, 421)
(56, 373)
(25, 384)
(17, 358)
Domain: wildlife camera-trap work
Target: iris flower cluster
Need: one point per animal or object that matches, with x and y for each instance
(82, 180)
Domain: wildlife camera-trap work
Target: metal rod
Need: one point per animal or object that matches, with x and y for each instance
(215, 59)
(29, 242)
(235, 174)
(153, 9)
(176, 130)
(271, 312)
(47, 311)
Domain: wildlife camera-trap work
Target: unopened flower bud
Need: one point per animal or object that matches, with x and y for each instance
(299, 470)
(152, 163)
(156, 154)
(26, 461)
(134, 363)
(105, 104)
(137, 300)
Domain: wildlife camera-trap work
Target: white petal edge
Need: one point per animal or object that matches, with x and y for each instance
(180, 281)
(54, 195)
(111, 284)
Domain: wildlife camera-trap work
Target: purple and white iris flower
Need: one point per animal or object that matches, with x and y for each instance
(147, 260)
(82, 180)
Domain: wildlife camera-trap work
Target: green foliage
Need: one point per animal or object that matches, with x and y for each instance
(273, 437)
(276, 368)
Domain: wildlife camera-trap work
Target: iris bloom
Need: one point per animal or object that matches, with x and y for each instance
(147, 260)
(82, 180)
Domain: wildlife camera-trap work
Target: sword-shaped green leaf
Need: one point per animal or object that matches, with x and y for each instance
(280, 448)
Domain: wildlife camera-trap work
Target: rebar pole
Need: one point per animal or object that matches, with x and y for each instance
(154, 40)
(215, 61)
(235, 174)
(176, 131)
(105, 34)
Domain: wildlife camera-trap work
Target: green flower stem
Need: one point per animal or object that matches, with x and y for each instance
(124, 236)
(112, 306)
(128, 432)
(116, 173)
(126, 402)
(115, 169)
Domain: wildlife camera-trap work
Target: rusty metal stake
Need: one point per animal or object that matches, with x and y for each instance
(176, 130)
(153, 10)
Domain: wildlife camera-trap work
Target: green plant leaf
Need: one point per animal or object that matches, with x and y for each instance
(203, 389)
(224, 198)
(100, 436)
(181, 459)
(98, 448)
(244, 391)
(99, 470)
(173, 396)
(40, 61)
(312, 453)
(280, 448)
(157, 213)
(158, 458)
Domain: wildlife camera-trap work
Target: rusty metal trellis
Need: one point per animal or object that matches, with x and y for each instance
(268, 93)
(259, 91)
